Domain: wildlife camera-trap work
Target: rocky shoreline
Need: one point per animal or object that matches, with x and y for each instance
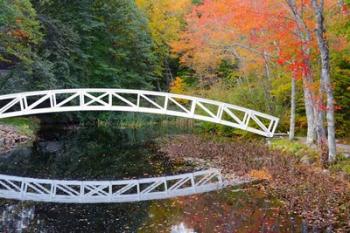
(10, 137)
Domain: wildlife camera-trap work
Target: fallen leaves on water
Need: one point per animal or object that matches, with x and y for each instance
(320, 198)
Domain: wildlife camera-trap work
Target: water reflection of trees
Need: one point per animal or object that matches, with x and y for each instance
(225, 211)
(15, 217)
(89, 153)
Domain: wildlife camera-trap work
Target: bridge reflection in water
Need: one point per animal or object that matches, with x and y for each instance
(63, 191)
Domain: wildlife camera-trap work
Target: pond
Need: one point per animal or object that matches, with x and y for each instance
(119, 153)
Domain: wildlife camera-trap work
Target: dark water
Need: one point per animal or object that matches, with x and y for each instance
(111, 153)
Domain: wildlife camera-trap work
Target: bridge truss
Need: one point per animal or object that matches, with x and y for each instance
(68, 100)
(63, 191)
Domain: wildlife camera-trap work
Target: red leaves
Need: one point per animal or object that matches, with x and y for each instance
(251, 28)
(281, 61)
(345, 9)
(323, 107)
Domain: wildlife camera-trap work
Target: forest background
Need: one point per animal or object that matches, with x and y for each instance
(288, 58)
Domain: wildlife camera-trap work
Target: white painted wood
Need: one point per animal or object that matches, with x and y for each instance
(52, 101)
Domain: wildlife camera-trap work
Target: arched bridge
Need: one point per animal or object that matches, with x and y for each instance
(29, 103)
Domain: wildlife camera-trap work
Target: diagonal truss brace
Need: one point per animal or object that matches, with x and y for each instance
(63, 191)
(138, 101)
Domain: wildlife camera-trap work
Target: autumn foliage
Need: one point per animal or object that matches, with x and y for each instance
(261, 174)
(177, 86)
(321, 199)
(246, 29)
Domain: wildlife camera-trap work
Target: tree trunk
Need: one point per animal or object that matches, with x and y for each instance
(158, 85)
(309, 97)
(266, 83)
(320, 130)
(292, 111)
(309, 111)
(168, 74)
(325, 76)
(305, 37)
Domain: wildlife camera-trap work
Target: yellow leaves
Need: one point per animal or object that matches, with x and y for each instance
(177, 86)
(165, 19)
(262, 174)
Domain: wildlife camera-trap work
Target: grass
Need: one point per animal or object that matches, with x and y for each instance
(295, 148)
(136, 120)
(345, 140)
(342, 164)
(25, 126)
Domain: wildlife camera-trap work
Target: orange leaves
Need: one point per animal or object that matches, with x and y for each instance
(339, 44)
(230, 29)
(19, 21)
(246, 30)
(19, 34)
(262, 174)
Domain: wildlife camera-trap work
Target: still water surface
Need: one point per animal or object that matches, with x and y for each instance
(112, 153)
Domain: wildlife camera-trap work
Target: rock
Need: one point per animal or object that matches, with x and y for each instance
(325, 171)
(53, 147)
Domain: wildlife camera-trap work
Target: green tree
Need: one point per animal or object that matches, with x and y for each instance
(113, 47)
(19, 32)
(165, 22)
(86, 44)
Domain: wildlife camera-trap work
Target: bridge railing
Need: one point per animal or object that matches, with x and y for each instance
(51, 101)
(64, 191)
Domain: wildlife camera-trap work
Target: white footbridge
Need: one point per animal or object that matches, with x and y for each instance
(52, 101)
(68, 100)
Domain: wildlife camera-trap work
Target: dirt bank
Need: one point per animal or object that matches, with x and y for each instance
(10, 137)
(315, 194)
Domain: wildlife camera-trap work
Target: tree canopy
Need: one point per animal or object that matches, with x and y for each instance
(76, 44)
(261, 54)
